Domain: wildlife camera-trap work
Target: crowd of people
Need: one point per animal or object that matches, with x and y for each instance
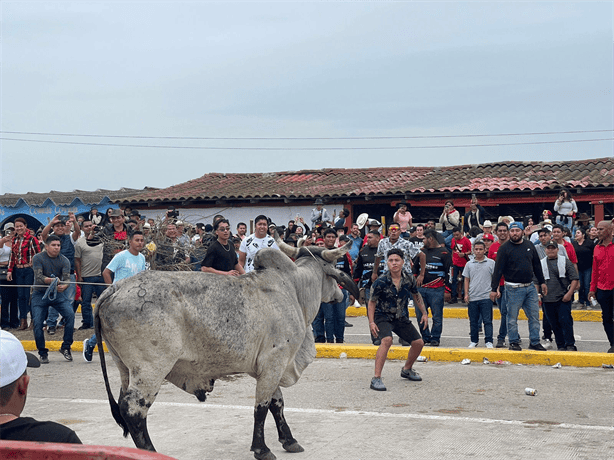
(513, 264)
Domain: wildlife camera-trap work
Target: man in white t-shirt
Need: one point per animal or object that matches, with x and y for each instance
(254, 243)
(124, 264)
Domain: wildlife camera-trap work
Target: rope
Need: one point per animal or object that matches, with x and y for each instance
(47, 285)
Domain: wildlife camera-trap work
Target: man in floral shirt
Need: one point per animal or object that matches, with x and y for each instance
(410, 250)
(387, 313)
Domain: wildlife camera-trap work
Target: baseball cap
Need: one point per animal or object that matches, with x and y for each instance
(516, 225)
(487, 223)
(115, 212)
(488, 236)
(13, 359)
(552, 244)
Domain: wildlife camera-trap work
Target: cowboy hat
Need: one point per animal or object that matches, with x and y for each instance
(362, 220)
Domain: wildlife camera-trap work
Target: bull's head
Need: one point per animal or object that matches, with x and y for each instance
(327, 258)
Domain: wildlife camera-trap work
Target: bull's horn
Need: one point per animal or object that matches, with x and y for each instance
(343, 279)
(331, 255)
(288, 250)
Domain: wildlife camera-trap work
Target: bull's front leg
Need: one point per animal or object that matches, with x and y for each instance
(259, 448)
(283, 430)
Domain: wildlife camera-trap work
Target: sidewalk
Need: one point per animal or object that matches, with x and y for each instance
(460, 312)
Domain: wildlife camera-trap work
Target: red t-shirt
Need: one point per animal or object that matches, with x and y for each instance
(463, 245)
(492, 254)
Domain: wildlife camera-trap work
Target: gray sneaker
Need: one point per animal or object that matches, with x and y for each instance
(411, 374)
(377, 384)
(66, 353)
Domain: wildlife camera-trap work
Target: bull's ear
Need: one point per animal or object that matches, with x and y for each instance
(288, 250)
(330, 255)
(343, 279)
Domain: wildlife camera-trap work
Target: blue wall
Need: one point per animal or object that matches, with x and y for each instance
(37, 216)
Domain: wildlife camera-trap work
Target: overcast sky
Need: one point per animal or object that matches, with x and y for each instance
(294, 70)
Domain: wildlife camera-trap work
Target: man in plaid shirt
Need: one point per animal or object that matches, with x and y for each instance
(24, 247)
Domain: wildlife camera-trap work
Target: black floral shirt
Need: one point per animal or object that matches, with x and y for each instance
(388, 300)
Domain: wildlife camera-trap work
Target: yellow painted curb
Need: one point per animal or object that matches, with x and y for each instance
(30, 345)
(476, 355)
(461, 313)
(79, 308)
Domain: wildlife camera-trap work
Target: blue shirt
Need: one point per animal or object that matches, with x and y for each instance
(125, 265)
(356, 245)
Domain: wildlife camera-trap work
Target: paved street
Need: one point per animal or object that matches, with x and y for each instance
(474, 411)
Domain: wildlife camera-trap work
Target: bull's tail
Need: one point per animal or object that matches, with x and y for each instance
(114, 406)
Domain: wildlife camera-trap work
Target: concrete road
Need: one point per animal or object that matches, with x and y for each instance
(461, 412)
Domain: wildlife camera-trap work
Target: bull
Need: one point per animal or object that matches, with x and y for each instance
(192, 328)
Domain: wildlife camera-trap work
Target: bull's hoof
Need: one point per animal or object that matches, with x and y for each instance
(292, 446)
(265, 456)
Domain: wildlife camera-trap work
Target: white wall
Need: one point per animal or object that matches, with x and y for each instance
(278, 214)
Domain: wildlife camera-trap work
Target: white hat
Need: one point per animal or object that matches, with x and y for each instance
(13, 359)
(487, 223)
(146, 225)
(8, 225)
(362, 220)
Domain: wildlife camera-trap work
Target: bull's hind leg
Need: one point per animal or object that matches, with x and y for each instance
(283, 430)
(136, 401)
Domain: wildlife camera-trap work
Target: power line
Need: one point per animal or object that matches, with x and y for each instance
(304, 138)
(303, 148)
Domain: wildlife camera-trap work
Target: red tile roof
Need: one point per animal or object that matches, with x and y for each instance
(307, 184)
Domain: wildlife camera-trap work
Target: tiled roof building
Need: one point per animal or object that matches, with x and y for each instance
(591, 181)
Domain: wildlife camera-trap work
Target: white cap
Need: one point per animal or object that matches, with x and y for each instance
(13, 359)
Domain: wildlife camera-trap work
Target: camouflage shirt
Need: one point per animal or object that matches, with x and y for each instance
(388, 300)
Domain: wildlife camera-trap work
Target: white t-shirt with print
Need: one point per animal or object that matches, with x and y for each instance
(251, 245)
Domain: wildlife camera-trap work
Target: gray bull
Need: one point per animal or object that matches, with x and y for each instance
(192, 328)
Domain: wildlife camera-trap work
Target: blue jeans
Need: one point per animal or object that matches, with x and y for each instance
(92, 341)
(70, 293)
(524, 297)
(86, 298)
(480, 309)
(561, 321)
(503, 311)
(23, 276)
(566, 221)
(448, 235)
(606, 300)
(433, 299)
(40, 309)
(585, 284)
(330, 320)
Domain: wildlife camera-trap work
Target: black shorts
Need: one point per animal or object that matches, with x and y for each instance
(404, 329)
